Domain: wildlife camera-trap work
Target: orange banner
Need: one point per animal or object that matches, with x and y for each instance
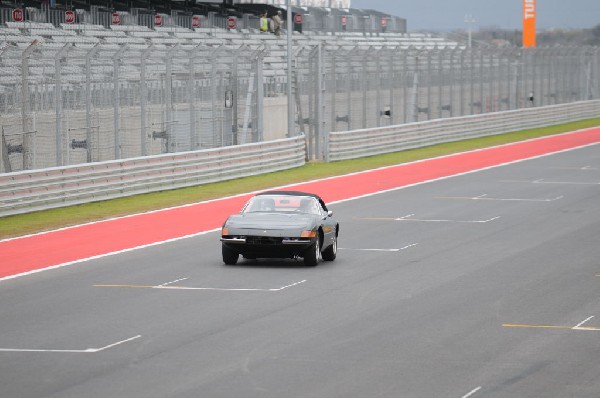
(529, 13)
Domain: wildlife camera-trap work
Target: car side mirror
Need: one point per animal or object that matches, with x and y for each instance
(329, 213)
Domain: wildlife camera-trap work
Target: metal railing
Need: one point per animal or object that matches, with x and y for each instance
(27, 191)
(368, 142)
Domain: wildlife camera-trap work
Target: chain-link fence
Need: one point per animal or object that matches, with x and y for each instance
(348, 88)
(64, 105)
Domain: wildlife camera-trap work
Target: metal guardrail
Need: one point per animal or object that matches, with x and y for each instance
(27, 191)
(368, 142)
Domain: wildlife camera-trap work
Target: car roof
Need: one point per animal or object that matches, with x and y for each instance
(294, 193)
(291, 193)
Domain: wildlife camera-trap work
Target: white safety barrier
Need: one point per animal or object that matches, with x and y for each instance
(32, 190)
(374, 141)
(27, 191)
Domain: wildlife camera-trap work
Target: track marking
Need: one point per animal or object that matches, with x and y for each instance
(472, 392)
(407, 218)
(285, 287)
(485, 197)
(175, 281)
(86, 351)
(167, 286)
(380, 250)
(584, 168)
(543, 181)
(511, 325)
(579, 326)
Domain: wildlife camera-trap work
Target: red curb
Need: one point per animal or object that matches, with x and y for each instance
(36, 252)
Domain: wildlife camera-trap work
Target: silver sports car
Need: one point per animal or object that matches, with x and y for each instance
(281, 224)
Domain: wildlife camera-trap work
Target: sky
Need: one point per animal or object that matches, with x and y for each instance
(450, 14)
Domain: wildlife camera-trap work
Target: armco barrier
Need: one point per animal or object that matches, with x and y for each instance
(27, 191)
(367, 142)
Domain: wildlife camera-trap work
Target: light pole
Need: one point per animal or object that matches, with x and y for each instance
(469, 20)
(290, 54)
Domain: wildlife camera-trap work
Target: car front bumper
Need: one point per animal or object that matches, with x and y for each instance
(267, 246)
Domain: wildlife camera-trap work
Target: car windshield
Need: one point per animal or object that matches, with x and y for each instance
(282, 204)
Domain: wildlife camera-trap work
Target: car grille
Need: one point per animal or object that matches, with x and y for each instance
(263, 240)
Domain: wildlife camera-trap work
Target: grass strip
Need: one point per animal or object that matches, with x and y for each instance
(17, 225)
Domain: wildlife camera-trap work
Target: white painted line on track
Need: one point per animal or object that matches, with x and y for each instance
(285, 287)
(485, 197)
(369, 250)
(580, 324)
(379, 250)
(406, 218)
(86, 351)
(472, 392)
(584, 168)
(169, 286)
(543, 181)
(175, 281)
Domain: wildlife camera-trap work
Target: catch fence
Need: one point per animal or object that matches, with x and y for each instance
(63, 105)
(347, 88)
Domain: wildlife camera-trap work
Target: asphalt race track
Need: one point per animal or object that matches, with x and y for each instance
(481, 285)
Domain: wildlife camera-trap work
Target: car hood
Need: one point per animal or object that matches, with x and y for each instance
(270, 221)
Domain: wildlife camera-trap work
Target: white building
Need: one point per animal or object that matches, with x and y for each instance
(302, 3)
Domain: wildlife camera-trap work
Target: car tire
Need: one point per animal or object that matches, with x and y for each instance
(312, 254)
(330, 253)
(229, 256)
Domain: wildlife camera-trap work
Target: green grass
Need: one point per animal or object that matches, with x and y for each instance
(56, 218)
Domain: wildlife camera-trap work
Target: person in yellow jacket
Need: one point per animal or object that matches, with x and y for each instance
(264, 23)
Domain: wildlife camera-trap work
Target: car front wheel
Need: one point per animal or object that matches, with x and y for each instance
(229, 256)
(330, 253)
(313, 254)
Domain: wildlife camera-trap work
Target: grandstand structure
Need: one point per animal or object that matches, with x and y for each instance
(299, 3)
(191, 14)
(79, 87)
